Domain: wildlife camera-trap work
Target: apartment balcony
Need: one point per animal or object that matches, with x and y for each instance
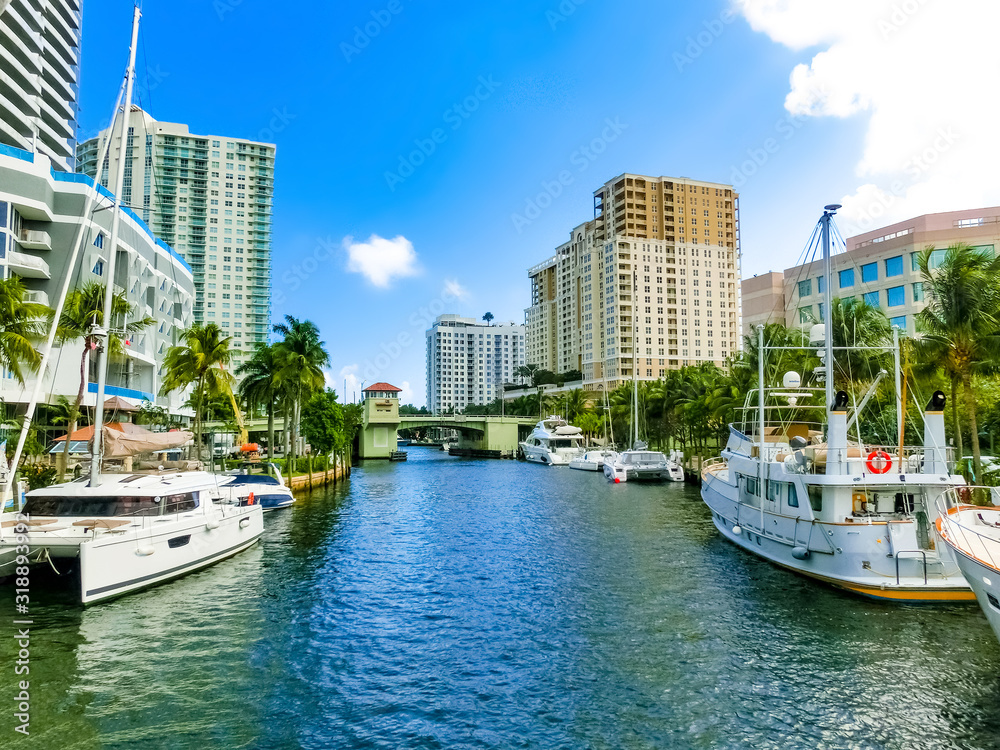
(28, 266)
(37, 296)
(34, 239)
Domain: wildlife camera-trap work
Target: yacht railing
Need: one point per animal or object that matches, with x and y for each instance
(959, 518)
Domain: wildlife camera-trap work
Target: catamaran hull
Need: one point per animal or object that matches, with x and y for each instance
(111, 565)
(835, 554)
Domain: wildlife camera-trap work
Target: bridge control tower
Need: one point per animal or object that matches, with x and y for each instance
(380, 420)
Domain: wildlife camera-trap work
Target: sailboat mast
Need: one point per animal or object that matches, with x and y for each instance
(635, 358)
(828, 212)
(109, 268)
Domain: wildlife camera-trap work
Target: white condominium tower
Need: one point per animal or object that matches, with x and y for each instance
(210, 198)
(40, 64)
(469, 362)
(677, 241)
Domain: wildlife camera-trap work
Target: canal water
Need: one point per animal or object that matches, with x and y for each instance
(451, 603)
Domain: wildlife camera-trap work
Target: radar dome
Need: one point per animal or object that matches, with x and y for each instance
(817, 334)
(791, 380)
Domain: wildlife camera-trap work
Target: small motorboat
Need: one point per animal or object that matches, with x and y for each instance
(593, 460)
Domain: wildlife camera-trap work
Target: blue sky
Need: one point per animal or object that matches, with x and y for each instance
(438, 125)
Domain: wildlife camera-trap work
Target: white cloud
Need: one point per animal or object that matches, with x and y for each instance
(921, 72)
(349, 376)
(407, 395)
(454, 289)
(380, 260)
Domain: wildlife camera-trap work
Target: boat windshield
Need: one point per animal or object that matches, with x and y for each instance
(643, 458)
(107, 506)
(254, 479)
(561, 443)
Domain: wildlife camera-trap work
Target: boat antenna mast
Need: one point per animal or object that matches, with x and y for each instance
(828, 213)
(101, 331)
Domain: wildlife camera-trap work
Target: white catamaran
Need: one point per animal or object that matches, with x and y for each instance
(855, 516)
(128, 531)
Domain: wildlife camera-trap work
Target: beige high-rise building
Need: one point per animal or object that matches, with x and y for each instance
(652, 281)
(210, 198)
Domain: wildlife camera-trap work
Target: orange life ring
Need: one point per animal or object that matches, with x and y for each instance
(882, 456)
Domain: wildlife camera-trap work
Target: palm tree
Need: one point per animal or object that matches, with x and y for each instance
(300, 358)
(82, 316)
(576, 404)
(259, 386)
(488, 317)
(960, 325)
(22, 324)
(200, 361)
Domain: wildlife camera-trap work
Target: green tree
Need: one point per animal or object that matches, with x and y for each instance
(82, 316)
(323, 422)
(300, 357)
(488, 317)
(960, 324)
(22, 325)
(200, 361)
(260, 386)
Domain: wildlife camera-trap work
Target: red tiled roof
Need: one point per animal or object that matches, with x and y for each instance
(382, 387)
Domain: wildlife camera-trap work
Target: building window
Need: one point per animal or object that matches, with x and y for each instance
(805, 288)
(871, 299)
(99, 268)
(895, 296)
(918, 291)
(869, 272)
(822, 313)
(846, 278)
(899, 321)
(894, 266)
(820, 285)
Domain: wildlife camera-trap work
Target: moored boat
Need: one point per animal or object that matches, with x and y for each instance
(130, 531)
(972, 532)
(809, 498)
(592, 460)
(262, 483)
(553, 442)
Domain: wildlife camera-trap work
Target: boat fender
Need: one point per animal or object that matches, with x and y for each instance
(244, 523)
(737, 530)
(211, 525)
(250, 499)
(800, 553)
(145, 550)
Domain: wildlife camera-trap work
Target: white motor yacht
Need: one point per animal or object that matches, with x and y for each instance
(262, 483)
(593, 460)
(553, 442)
(855, 516)
(131, 531)
(972, 532)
